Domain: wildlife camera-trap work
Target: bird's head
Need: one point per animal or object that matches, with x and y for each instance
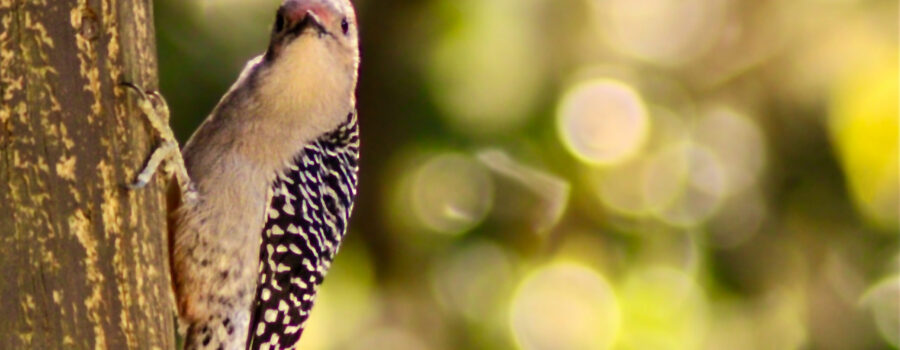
(332, 21)
(313, 56)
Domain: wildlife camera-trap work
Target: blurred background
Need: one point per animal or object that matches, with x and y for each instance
(600, 174)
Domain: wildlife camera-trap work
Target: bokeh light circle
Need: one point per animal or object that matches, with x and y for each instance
(483, 70)
(451, 193)
(883, 299)
(662, 308)
(602, 121)
(474, 280)
(701, 184)
(664, 176)
(620, 187)
(737, 143)
(666, 32)
(565, 306)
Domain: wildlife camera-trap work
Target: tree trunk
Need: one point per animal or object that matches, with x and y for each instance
(83, 261)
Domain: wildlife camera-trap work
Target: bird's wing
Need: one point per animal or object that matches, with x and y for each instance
(306, 219)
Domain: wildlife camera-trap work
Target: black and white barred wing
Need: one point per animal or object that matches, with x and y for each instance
(306, 220)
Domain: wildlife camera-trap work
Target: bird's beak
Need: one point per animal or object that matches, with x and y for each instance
(287, 23)
(310, 20)
(291, 20)
(295, 16)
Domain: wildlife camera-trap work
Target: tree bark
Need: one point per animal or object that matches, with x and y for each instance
(83, 261)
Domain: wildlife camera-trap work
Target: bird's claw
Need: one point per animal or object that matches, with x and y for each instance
(157, 111)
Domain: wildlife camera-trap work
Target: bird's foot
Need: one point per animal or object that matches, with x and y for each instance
(152, 104)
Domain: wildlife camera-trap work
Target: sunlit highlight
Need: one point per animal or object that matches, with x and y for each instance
(564, 306)
(602, 121)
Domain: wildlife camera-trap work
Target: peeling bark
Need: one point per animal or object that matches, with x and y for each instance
(83, 260)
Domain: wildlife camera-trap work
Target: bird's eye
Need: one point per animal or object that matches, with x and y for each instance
(279, 22)
(345, 26)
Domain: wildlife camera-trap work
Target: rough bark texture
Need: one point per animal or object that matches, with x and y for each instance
(83, 261)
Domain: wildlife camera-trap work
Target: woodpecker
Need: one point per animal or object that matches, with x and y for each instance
(266, 184)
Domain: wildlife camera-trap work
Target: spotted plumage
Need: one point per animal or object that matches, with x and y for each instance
(305, 222)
